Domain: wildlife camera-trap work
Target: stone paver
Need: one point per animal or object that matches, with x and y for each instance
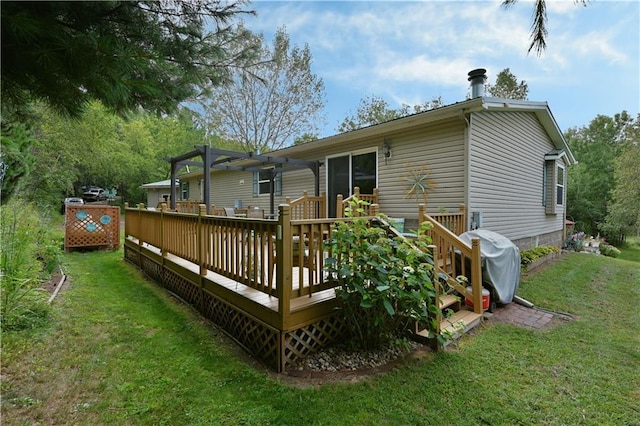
(516, 314)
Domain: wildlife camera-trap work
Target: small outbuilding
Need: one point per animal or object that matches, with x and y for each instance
(159, 192)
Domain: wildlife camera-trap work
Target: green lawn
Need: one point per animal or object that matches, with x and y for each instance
(121, 351)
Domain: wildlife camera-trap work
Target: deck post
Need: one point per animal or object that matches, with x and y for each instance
(463, 210)
(374, 209)
(421, 213)
(339, 207)
(139, 226)
(356, 193)
(202, 239)
(283, 267)
(322, 208)
(476, 275)
(305, 205)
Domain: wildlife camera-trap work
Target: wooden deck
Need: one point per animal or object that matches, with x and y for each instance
(262, 281)
(259, 297)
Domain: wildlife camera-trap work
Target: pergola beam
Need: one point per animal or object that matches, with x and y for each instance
(211, 159)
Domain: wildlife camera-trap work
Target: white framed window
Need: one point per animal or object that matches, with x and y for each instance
(559, 185)
(262, 182)
(184, 191)
(553, 186)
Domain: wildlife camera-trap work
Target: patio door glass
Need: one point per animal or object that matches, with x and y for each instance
(346, 172)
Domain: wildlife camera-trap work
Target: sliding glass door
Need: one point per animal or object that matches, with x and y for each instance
(348, 171)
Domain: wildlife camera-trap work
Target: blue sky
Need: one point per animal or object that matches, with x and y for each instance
(411, 52)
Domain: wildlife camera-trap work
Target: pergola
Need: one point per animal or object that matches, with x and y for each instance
(214, 158)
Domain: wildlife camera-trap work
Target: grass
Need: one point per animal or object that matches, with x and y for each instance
(120, 351)
(631, 250)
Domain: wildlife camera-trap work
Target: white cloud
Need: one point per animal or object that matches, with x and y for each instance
(411, 51)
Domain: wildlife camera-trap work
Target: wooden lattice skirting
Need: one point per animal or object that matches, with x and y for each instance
(278, 349)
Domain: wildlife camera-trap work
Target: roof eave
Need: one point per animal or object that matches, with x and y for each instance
(544, 114)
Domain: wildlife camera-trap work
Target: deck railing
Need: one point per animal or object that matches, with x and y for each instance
(370, 200)
(282, 258)
(187, 206)
(453, 258)
(454, 222)
(308, 206)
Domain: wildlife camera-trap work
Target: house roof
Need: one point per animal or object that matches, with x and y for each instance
(459, 109)
(160, 184)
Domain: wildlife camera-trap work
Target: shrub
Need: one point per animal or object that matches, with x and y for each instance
(28, 254)
(529, 256)
(609, 250)
(386, 284)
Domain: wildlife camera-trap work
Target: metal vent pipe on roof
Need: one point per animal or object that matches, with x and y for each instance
(477, 78)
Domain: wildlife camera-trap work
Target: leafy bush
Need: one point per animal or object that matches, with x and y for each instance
(28, 254)
(386, 284)
(609, 250)
(529, 256)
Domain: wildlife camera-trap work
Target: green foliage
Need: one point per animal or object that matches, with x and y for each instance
(269, 105)
(507, 87)
(16, 160)
(539, 25)
(591, 182)
(609, 250)
(375, 110)
(103, 149)
(29, 252)
(529, 256)
(127, 54)
(386, 284)
(623, 215)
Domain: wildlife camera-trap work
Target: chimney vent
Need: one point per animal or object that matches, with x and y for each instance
(477, 78)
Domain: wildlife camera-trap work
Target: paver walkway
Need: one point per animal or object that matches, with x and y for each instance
(516, 314)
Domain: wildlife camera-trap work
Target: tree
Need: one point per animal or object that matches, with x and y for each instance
(507, 87)
(15, 159)
(375, 110)
(304, 138)
(539, 25)
(591, 181)
(267, 106)
(104, 149)
(623, 214)
(127, 54)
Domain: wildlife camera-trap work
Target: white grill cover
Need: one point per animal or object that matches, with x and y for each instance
(500, 262)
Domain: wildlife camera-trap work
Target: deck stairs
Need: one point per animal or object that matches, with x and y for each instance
(454, 320)
(454, 317)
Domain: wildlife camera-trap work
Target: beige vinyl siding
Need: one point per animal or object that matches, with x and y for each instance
(226, 187)
(506, 162)
(154, 196)
(439, 146)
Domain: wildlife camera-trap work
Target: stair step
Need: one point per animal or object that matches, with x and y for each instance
(460, 322)
(447, 300)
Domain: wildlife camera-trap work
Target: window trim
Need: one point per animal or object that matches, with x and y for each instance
(351, 154)
(560, 175)
(184, 189)
(277, 182)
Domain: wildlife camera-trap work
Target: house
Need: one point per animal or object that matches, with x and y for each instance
(506, 160)
(264, 281)
(158, 192)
